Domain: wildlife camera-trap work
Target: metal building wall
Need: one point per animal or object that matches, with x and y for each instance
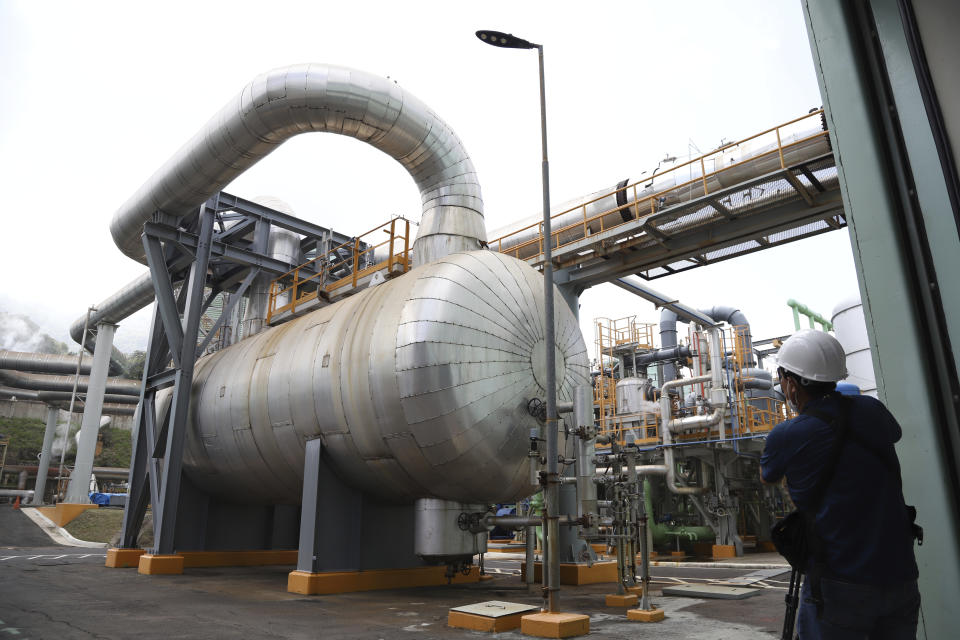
(899, 193)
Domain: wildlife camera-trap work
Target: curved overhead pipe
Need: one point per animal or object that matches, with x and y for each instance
(43, 382)
(43, 362)
(734, 317)
(716, 314)
(288, 101)
(283, 103)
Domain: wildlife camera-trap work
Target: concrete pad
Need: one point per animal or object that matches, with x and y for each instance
(492, 616)
(710, 591)
(646, 615)
(578, 573)
(555, 625)
(627, 600)
(151, 565)
(123, 558)
(65, 512)
(308, 583)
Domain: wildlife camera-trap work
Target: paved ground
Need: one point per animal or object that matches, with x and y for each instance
(65, 592)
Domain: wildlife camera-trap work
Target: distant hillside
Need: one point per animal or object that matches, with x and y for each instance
(19, 333)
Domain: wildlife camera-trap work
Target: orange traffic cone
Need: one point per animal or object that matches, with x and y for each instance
(16, 503)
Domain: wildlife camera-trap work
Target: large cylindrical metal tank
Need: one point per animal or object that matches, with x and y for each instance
(850, 327)
(418, 388)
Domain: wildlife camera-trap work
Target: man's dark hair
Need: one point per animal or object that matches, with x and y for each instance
(812, 387)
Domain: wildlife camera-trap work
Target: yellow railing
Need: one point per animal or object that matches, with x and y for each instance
(753, 414)
(648, 204)
(291, 290)
(643, 426)
(613, 333)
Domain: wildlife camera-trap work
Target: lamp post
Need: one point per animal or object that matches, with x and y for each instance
(551, 562)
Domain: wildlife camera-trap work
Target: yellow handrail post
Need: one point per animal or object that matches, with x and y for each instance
(271, 300)
(780, 149)
(295, 293)
(703, 175)
(356, 259)
(406, 248)
(540, 237)
(390, 253)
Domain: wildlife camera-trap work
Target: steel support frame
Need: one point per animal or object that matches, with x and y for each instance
(156, 466)
(222, 247)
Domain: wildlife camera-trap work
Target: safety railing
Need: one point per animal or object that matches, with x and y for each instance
(342, 266)
(614, 333)
(636, 202)
(644, 427)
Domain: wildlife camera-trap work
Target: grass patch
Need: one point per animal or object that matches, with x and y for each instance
(96, 525)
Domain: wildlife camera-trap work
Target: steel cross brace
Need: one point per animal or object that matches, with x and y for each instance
(171, 339)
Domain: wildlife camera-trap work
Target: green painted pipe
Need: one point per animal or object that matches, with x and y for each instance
(811, 315)
(665, 533)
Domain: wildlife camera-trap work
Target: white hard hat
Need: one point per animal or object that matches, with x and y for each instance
(813, 355)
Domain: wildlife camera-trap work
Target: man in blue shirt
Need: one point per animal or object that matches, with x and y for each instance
(868, 583)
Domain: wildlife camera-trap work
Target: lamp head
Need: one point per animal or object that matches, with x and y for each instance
(504, 40)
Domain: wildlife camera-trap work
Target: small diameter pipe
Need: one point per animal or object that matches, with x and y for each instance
(585, 467)
(518, 522)
(530, 544)
(12, 493)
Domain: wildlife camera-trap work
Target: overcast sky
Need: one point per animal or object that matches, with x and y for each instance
(94, 97)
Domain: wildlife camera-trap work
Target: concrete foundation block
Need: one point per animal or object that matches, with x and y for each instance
(555, 625)
(123, 558)
(626, 600)
(645, 615)
(151, 565)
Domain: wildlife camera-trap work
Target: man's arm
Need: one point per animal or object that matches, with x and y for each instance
(773, 460)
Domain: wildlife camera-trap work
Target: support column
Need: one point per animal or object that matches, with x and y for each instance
(79, 487)
(45, 452)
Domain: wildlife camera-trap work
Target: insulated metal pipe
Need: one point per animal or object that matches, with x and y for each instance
(14, 493)
(667, 423)
(64, 396)
(43, 362)
(44, 382)
(288, 101)
(12, 393)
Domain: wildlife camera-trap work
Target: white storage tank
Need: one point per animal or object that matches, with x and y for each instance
(850, 328)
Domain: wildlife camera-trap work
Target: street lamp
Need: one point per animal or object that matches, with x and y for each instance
(552, 563)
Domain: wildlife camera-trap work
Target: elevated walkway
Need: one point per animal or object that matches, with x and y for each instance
(342, 271)
(775, 187)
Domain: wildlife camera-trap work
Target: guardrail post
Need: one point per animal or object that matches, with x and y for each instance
(703, 175)
(390, 253)
(780, 149)
(356, 260)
